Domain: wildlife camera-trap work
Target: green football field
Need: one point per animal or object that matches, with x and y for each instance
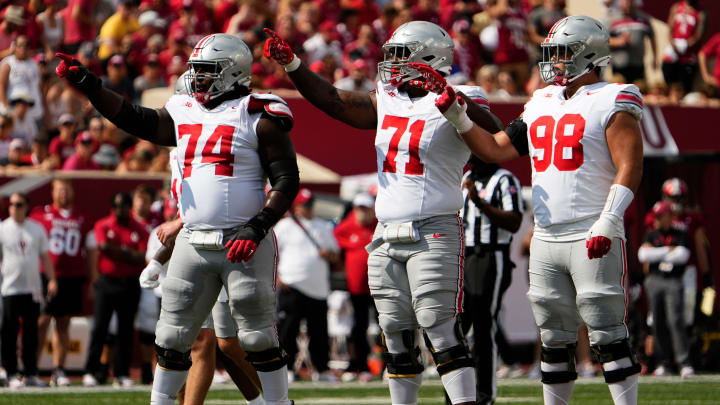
(666, 390)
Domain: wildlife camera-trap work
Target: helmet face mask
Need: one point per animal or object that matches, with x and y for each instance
(415, 42)
(577, 43)
(217, 64)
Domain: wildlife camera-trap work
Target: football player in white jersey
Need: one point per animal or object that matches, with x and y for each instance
(229, 142)
(583, 136)
(416, 257)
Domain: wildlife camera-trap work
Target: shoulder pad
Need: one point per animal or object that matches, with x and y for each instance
(274, 107)
(629, 99)
(476, 94)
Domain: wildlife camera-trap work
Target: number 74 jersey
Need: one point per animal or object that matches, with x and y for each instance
(572, 169)
(420, 156)
(221, 180)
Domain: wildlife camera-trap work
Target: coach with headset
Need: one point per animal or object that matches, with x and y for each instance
(491, 213)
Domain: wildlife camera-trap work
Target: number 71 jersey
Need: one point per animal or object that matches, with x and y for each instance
(572, 169)
(420, 156)
(221, 181)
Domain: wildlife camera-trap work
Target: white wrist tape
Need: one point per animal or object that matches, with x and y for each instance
(618, 199)
(293, 65)
(457, 116)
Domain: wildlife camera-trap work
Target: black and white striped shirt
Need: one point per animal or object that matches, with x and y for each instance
(501, 190)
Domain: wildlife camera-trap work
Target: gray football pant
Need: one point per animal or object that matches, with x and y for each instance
(566, 288)
(418, 283)
(667, 303)
(192, 286)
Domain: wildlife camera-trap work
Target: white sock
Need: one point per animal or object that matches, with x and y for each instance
(275, 386)
(404, 391)
(460, 385)
(623, 392)
(166, 385)
(257, 401)
(558, 394)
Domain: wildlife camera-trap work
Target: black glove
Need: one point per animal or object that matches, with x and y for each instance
(77, 75)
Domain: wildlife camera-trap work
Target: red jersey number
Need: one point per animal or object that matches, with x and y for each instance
(222, 159)
(414, 166)
(567, 132)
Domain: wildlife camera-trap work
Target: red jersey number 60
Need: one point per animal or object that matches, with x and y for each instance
(541, 136)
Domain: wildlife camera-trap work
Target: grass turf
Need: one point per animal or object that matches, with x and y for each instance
(701, 390)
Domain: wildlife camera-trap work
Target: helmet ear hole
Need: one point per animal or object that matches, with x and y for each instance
(590, 56)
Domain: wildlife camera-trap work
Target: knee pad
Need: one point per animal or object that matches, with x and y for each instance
(613, 352)
(172, 359)
(452, 358)
(268, 360)
(406, 364)
(257, 340)
(147, 338)
(552, 355)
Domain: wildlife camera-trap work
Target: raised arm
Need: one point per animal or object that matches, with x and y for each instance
(154, 125)
(277, 157)
(354, 108)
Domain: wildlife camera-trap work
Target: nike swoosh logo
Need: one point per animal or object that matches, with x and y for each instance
(438, 235)
(591, 93)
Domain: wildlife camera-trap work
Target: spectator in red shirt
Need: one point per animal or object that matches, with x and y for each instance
(364, 47)
(72, 249)
(82, 158)
(62, 146)
(711, 48)
(177, 47)
(687, 26)
(467, 49)
(511, 54)
(79, 24)
(122, 242)
(13, 19)
(352, 235)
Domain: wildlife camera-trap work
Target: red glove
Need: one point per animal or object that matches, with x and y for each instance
(76, 74)
(447, 98)
(241, 250)
(277, 48)
(598, 246)
(434, 81)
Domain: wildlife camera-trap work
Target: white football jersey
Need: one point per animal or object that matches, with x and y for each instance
(221, 181)
(420, 156)
(572, 169)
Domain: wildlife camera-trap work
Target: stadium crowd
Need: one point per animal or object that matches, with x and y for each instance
(140, 45)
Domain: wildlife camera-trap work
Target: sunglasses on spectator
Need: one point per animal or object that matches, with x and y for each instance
(17, 204)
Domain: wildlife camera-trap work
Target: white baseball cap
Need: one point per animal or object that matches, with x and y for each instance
(363, 200)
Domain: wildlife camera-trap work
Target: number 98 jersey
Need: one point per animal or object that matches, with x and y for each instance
(221, 182)
(572, 169)
(420, 156)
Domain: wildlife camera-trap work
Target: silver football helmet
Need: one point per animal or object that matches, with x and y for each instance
(216, 64)
(181, 84)
(416, 42)
(581, 43)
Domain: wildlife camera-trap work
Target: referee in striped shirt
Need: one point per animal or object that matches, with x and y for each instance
(492, 212)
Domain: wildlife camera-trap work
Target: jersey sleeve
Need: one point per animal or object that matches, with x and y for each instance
(510, 191)
(517, 132)
(273, 107)
(628, 99)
